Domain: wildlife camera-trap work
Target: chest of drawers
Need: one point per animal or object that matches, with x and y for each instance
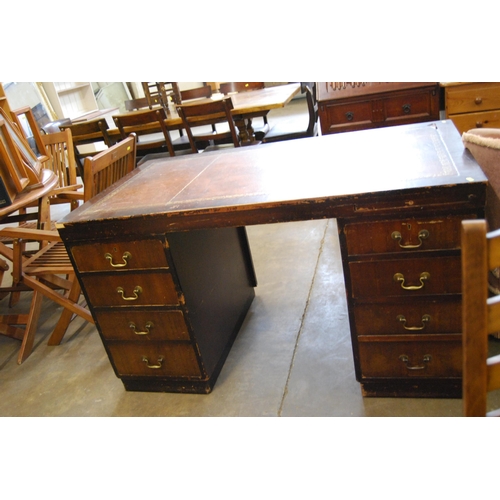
(473, 105)
(346, 107)
(160, 333)
(404, 296)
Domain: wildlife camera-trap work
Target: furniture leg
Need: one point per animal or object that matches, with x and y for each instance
(29, 334)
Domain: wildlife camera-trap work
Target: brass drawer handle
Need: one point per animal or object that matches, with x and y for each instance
(426, 359)
(126, 256)
(425, 319)
(406, 109)
(146, 331)
(422, 235)
(349, 116)
(137, 291)
(423, 276)
(159, 362)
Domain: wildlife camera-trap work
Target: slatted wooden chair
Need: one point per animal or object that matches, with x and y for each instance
(89, 137)
(60, 151)
(227, 88)
(144, 124)
(288, 131)
(196, 117)
(49, 270)
(480, 317)
(139, 103)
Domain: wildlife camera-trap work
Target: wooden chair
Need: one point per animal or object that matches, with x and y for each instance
(144, 123)
(160, 92)
(234, 87)
(109, 166)
(139, 103)
(203, 92)
(61, 160)
(25, 120)
(85, 133)
(287, 131)
(50, 269)
(480, 317)
(213, 113)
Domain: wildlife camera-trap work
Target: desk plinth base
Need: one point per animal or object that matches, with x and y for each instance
(446, 389)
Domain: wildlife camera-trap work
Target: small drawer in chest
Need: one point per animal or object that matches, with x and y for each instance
(154, 359)
(411, 356)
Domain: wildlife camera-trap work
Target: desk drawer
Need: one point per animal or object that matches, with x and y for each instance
(347, 115)
(131, 289)
(472, 98)
(409, 105)
(485, 119)
(125, 255)
(406, 277)
(404, 235)
(418, 356)
(415, 317)
(146, 325)
(165, 359)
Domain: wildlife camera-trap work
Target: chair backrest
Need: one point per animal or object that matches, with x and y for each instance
(88, 132)
(227, 87)
(208, 113)
(143, 123)
(107, 167)
(60, 151)
(139, 103)
(197, 93)
(480, 317)
(312, 107)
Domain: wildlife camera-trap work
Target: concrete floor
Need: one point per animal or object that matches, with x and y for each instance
(292, 356)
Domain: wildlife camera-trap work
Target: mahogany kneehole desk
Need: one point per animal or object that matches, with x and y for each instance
(165, 265)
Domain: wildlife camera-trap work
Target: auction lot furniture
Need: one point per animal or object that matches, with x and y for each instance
(166, 268)
(473, 105)
(346, 106)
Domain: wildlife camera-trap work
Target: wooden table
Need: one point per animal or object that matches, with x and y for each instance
(172, 293)
(246, 106)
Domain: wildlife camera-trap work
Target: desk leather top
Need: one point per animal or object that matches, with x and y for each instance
(307, 178)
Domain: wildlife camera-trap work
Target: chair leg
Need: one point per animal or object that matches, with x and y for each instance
(31, 326)
(66, 315)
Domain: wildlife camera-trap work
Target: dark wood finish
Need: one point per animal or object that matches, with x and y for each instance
(203, 92)
(209, 113)
(358, 106)
(428, 181)
(481, 316)
(145, 125)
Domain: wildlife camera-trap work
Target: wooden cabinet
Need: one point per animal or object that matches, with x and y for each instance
(404, 283)
(358, 106)
(160, 335)
(473, 105)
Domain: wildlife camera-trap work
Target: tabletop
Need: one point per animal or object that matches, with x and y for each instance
(328, 176)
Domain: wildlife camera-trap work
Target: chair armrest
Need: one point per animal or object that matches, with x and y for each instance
(30, 234)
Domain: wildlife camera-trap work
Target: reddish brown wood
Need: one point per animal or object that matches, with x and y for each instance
(374, 182)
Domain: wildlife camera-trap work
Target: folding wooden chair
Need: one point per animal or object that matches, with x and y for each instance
(481, 317)
(50, 270)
